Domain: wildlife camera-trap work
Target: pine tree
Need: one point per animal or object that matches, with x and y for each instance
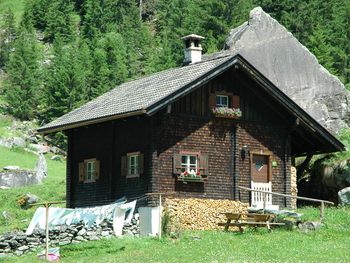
(64, 81)
(7, 37)
(59, 20)
(23, 81)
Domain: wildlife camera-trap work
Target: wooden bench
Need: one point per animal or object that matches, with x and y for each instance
(255, 220)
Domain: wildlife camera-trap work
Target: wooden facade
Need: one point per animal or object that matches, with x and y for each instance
(227, 146)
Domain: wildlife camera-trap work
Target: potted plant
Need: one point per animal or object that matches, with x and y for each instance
(225, 112)
(191, 176)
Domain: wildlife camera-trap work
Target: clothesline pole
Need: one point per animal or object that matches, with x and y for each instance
(47, 205)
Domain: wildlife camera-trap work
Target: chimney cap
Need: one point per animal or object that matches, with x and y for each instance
(192, 36)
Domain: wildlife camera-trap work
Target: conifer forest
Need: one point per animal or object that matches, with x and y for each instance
(56, 55)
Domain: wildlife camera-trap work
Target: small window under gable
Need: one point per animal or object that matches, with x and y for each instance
(222, 101)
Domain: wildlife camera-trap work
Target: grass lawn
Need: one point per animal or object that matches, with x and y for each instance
(330, 244)
(53, 188)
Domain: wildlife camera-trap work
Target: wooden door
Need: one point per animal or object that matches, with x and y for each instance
(260, 168)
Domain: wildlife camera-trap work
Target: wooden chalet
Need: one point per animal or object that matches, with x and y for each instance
(199, 130)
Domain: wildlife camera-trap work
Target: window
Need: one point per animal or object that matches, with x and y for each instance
(89, 171)
(221, 101)
(132, 165)
(189, 163)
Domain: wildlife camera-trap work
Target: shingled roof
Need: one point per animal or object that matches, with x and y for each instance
(135, 97)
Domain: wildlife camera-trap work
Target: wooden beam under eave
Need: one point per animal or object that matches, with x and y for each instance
(304, 165)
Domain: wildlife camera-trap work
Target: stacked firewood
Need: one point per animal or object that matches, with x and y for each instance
(294, 187)
(201, 214)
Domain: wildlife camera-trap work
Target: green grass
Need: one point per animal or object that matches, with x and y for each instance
(329, 244)
(17, 7)
(52, 189)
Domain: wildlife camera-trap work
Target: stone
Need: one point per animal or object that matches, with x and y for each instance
(307, 226)
(11, 168)
(90, 233)
(33, 239)
(280, 57)
(82, 232)
(75, 242)
(56, 158)
(344, 196)
(12, 178)
(4, 244)
(127, 232)
(63, 235)
(79, 238)
(13, 243)
(20, 237)
(22, 248)
(41, 168)
(18, 253)
(29, 199)
(105, 233)
(94, 238)
(39, 148)
(19, 142)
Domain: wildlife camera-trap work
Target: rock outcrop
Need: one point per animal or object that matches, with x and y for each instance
(278, 55)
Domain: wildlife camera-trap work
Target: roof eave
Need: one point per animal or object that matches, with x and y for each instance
(89, 122)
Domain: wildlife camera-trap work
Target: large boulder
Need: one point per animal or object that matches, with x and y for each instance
(344, 196)
(17, 178)
(278, 55)
(41, 168)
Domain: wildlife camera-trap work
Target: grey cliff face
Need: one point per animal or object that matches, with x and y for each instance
(278, 55)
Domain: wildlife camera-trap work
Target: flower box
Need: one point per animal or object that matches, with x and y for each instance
(186, 179)
(223, 112)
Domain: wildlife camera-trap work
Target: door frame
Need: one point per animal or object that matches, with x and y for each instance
(265, 153)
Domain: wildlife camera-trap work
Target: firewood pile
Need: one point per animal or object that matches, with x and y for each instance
(201, 214)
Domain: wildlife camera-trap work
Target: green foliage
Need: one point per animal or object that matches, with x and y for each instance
(17, 6)
(23, 76)
(64, 80)
(7, 36)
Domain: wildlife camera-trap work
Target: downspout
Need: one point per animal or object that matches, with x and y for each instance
(234, 162)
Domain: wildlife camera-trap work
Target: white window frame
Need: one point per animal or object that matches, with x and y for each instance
(90, 174)
(133, 170)
(186, 166)
(221, 104)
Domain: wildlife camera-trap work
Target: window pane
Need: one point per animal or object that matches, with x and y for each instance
(183, 159)
(224, 101)
(193, 160)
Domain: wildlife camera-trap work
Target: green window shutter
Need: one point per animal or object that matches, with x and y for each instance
(177, 164)
(124, 166)
(141, 163)
(81, 172)
(203, 164)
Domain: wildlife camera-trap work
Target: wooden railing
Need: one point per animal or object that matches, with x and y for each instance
(266, 193)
